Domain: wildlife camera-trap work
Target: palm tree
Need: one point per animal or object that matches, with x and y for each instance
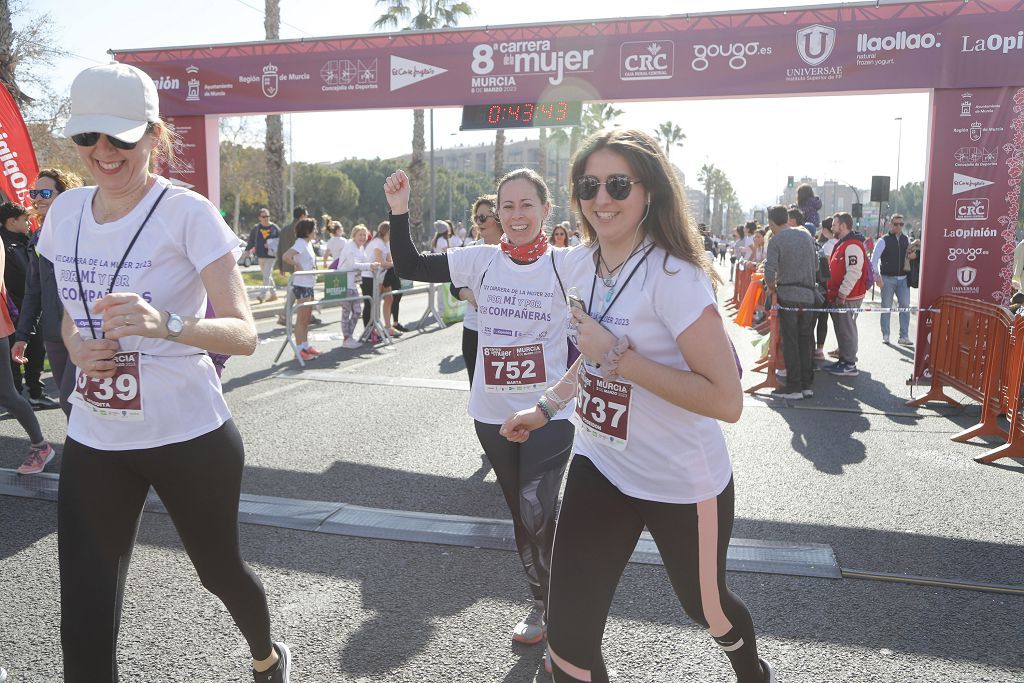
(274, 142)
(707, 176)
(429, 14)
(723, 189)
(499, 154)
(670, 135)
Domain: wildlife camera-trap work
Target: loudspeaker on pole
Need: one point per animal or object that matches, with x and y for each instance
(879, 188)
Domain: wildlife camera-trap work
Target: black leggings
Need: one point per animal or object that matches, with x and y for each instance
(35, 352)
(822, 328)
(530, 475)
(99, 507)
(598, 528)
(12, 401)
(469, 342)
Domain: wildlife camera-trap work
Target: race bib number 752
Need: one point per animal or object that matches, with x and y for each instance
(514, 368)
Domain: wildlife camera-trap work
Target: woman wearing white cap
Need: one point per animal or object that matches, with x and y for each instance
(139, 256)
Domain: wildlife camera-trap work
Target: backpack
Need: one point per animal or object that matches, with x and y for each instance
(824, 269)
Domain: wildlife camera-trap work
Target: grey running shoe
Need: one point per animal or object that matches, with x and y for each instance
(769, 672)
(3, 674)
(530, 630)
(280, 673)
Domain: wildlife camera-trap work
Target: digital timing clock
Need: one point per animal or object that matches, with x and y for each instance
(521, 115)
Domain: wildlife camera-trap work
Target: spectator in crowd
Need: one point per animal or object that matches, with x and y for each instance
(351, 261)
(300, 256)
(285, 240)
(709, 243)
(263, 242)
(14, 230)
(891, 264)
(40, 452)
(735, 249)
(755, 253)
(442, 237)
(796, 217)
(809, 204)
(335, 244)
(42, 310)
(789, 274)
(559, 236)
(826, 243)
(846, 288)
(748, 238)
(574, 235)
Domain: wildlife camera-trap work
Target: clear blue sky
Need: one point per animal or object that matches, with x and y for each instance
(758, 142)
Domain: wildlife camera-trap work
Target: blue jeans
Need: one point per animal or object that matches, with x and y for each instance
(898, 286)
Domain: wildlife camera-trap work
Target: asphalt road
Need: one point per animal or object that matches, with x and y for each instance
(853, 468)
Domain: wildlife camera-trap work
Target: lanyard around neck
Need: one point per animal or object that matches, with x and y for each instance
(593, 286)
(117, 271)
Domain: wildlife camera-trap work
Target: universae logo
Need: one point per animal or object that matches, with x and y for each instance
(815, 43)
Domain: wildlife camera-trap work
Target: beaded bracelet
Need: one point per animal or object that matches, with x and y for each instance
(610, 364)
(542, 404)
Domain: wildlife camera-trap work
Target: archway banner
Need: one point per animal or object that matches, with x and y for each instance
(844, 48)
(18, 166)
(972, 207)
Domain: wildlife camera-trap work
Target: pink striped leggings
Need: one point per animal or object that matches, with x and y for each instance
(598, 528)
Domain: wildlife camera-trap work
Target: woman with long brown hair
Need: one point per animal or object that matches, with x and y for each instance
(655, 376)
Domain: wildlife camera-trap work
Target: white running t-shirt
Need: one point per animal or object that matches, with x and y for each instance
(305, 259)
(181, 393)
(671, 455)
(371, 250)
(522, 321)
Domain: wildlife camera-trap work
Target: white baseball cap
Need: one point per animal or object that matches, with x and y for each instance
(114, 99)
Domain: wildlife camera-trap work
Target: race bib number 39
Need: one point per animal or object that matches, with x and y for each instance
(602, 408)
(113, 398)
(514, 368)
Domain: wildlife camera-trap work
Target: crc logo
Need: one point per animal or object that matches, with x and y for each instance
(970, 253)
(972, 209)
(736, 52)
(815, 43)
(647, 60)
(966, 276)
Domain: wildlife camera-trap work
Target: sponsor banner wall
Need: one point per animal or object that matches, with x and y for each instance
(973, 197)
(914, 45)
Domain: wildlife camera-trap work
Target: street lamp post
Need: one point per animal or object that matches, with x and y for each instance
(899, 149)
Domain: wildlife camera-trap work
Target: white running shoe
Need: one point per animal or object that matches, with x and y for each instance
(351, 343)
(530, 630)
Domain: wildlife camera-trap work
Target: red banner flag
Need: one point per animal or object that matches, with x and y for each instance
(18, 167)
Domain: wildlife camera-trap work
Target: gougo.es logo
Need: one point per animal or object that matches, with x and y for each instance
(969, 253)
(737, 54)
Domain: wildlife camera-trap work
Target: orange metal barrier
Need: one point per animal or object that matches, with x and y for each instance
(741, 281)
(969, 345)
(773, 361)
(1013, 383)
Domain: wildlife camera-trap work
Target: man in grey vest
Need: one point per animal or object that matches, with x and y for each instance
(790, 272)
(889, 260)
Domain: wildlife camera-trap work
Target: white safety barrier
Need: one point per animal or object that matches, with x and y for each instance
(374, 301)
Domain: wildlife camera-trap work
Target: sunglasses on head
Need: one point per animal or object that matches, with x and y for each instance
(482, 218)
(618, 186)
(90, 139)
(44, 194)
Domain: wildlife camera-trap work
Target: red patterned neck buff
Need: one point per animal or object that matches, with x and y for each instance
(526, 253)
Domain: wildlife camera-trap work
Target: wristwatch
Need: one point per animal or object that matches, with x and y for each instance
(175, 325)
